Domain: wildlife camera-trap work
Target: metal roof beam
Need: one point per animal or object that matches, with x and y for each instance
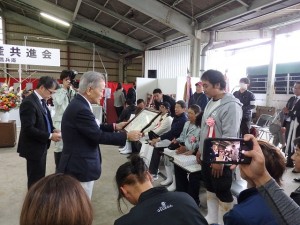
(123, 18)
(163, 14)
(167, 39)
(85, 23)
(238, 12)
(74, 15)
(56, 33)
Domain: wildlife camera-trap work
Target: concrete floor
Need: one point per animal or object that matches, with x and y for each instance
(104, 199)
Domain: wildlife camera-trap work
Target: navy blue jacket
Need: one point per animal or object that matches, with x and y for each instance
(199, 99)
(251, 209)
(176, 127)
(81, 156)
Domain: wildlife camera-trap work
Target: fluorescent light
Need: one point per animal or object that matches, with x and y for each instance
(55, 19)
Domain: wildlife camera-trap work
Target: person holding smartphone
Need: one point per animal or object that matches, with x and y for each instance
(250, 199)
(282, 206)
(221, 119)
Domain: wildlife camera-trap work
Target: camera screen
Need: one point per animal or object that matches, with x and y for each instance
(226, 151)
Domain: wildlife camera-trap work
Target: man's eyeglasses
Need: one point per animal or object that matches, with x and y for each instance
(51, 92)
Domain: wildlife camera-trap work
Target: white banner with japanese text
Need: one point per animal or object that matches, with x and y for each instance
(16, 54)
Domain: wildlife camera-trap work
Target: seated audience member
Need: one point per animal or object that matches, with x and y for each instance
(176, 128)
(189, 182)
(159, 97)
(274, 200)
(162, 124)
(127, 111)
(56, 199)
(250, 199)
(152, 205)
(296, 160)
(140, 105)
(159, 126)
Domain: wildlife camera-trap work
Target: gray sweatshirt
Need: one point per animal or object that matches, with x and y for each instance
(286, 210)
(227, 115)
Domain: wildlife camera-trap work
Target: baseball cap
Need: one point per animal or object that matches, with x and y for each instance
(198, 83)
(166, 105)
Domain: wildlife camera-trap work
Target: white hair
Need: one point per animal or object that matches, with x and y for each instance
(90, 79)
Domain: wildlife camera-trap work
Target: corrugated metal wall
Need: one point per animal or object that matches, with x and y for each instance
(72, 56)
(170, 62)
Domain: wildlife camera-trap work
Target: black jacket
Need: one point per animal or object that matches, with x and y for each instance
(160, 207)
(170, 100)
(246, 98)
(34, 135)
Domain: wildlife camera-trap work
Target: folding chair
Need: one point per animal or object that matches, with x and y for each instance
(262, 124)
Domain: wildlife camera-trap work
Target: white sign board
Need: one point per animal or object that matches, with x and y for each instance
(16, 54)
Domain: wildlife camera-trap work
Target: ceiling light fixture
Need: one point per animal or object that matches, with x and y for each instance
(55, 19)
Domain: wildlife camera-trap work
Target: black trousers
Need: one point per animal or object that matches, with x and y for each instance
(245, 127)
(189, 185)
(155, 159)
(119, 110)
(220, 186)
(57, 156)
(36, 169)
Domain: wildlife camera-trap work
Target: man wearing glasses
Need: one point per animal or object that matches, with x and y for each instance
(37, 129)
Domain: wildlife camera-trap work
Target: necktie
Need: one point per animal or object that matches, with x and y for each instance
(46, 115)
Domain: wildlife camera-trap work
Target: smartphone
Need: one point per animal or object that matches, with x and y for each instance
(226, 150)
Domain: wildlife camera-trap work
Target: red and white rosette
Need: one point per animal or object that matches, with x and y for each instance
(210, 122)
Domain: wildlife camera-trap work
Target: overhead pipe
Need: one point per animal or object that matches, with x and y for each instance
(212, 35)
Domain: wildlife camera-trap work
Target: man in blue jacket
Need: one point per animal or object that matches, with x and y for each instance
(82, 133)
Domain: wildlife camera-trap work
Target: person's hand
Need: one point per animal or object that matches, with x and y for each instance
(181, 149)
(134, 135)
(56, 137)
(255, 171)
(153, 141)
(198, 157)
(119, 126)
(217, 170)
(56, 131)
(190, 152)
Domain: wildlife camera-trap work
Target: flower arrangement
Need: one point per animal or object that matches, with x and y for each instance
(8, 100)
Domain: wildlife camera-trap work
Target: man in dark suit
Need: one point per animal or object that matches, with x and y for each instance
(159, 97)
(291, 122)
(37, 129)
(82, 133)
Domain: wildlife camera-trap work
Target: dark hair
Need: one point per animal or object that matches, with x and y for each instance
(57, 199)
(245, 80)
(157, 90)
(181, 103)
(140, 101)
(47, 82)
(214, 77)
(197, 110)
(119, 86)
(274, 160)
(130, 173)
(65, 73)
